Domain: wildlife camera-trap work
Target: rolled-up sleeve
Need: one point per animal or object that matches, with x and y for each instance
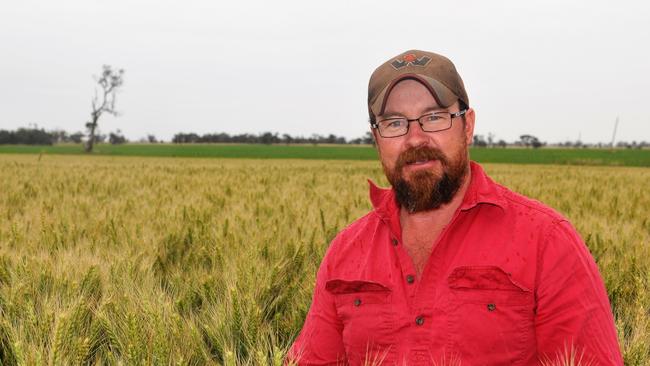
(573, 313)
(319, 341)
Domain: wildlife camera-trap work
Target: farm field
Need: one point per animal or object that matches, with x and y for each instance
(617, 157)
(132, 260)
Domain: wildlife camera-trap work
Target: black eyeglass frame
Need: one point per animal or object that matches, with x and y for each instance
(452, 115)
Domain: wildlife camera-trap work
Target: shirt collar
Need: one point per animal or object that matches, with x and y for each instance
(481, 190)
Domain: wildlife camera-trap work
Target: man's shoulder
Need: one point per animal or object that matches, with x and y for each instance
(360, 227)
(486, 190)
(517, 203)
(351, 239)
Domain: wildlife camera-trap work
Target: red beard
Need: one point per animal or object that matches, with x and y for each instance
(426, 190)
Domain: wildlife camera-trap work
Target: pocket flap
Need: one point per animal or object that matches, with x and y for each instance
(483, 278)
(339, 286)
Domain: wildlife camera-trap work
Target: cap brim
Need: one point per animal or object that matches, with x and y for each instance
(443, 96)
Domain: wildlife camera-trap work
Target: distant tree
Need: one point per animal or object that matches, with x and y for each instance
(104, 101)
(59, 136)
(286, 138)
(185, 138)
(502, 143)
(5, 137)
(269, 138)
(76, 137)
(530, 140)
(152, 139)
(116, 138)
(490, 139)
(479, 141)
(27, 136)
(368, 139)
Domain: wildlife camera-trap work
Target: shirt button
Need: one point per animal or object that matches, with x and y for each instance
(491, 307)
(357, 302)
(395, 242)
(419, 320)
(410, 279)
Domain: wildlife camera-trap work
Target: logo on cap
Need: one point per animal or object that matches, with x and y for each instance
(410, 59)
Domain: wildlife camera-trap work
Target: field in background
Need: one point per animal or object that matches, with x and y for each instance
(212, 261)
(618, 157)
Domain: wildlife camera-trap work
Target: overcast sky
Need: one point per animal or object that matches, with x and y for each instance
(560, 70)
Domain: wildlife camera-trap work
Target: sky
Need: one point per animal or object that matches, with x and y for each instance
(559, 70)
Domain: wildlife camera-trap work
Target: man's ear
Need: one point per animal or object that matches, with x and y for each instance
(470, 118)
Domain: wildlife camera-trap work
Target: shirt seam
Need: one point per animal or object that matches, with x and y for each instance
(547, 211)
(542, 245)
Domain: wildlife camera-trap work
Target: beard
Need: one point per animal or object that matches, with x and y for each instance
(426, 190)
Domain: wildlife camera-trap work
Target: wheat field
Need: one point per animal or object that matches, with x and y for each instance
(162, 261)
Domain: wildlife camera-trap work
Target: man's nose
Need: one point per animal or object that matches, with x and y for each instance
(415, 135)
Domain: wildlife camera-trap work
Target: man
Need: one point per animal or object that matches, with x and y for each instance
(450, 267)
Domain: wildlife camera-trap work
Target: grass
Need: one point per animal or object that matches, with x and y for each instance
(616, 157)
(126, 260)
(247, 151)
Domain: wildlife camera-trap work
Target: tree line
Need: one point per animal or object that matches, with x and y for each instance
(38, 136)
(267, 138)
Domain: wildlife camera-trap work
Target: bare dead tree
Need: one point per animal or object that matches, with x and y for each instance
(104, 100)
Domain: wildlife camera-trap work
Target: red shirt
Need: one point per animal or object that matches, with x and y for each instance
(509, 282)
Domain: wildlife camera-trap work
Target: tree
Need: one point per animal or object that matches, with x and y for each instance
(269, 138)
(490, 139)
(104, 101)
(77, 137)
(287, 138)
(530, 140)
(59, 136)
(368, 138)
(116, 138)
(27, 136)
(479, 141)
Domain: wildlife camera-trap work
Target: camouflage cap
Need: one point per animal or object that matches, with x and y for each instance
(434, 71)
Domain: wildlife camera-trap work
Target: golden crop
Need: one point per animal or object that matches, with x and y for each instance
(203, 261)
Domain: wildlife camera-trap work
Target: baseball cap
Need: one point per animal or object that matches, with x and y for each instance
(434, 71)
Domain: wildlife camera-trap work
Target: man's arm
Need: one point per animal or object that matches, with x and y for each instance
(319, 342)
(573, 313)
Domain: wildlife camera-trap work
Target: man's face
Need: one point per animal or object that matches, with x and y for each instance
(425, 168)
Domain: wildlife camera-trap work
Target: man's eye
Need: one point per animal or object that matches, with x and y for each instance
(431, 118)
(396, 123)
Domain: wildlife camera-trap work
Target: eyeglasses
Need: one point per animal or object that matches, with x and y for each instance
(430, 122)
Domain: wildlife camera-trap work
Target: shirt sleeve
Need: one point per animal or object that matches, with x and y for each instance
(320, 341)
(573, 314)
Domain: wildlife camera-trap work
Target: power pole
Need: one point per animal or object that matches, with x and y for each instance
(614, 134)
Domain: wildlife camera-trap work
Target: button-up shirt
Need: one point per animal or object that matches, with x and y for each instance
(508, 282)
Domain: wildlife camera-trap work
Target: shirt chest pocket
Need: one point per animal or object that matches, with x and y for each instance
(365, 309)
(490, 313)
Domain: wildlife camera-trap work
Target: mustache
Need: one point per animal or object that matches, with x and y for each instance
(419, 153)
